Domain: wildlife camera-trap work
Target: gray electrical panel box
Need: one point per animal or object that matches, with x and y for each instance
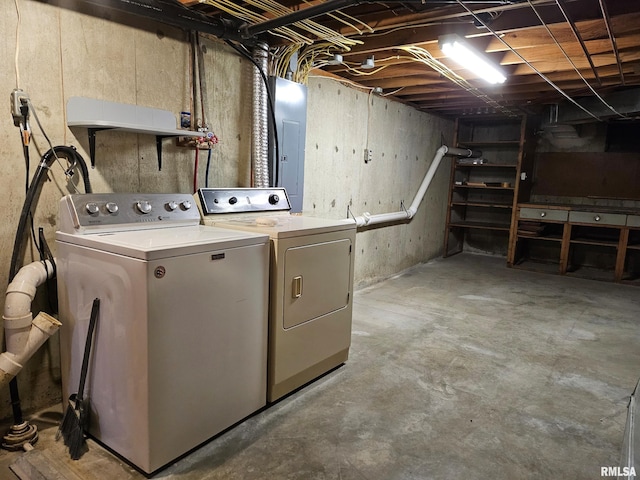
(290, 105)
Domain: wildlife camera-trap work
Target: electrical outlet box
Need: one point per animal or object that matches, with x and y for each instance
(18, 97)
(368, 155)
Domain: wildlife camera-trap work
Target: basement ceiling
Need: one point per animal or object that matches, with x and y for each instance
(552, 51)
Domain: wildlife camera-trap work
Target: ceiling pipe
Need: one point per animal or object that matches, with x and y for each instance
(169, 12)
(298, 16)
(574, 29)
(612, 38)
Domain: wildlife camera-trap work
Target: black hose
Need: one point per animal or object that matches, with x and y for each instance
(271, 109)
(48, 158)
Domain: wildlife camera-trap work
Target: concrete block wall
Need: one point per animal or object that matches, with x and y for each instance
(342, 122)
(64, 53)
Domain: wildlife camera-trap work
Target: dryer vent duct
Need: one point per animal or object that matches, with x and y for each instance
(260, 138)
(367, 219)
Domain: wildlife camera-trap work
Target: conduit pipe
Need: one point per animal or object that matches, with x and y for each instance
(24, 335)
(366, 219)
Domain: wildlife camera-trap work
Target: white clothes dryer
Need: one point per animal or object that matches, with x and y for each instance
(311, 281)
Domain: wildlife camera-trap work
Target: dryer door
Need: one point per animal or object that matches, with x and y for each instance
(317, 280)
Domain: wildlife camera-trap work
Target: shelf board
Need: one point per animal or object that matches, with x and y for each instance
(481, 204)
(549, 238)
(591, 273)
(538, 266)
(480, 225)
(484, 187)
(496, 143)
(631, 278)
(633, 247)
(485, 165)
(586, 241)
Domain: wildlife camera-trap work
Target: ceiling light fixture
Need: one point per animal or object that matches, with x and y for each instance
(368, 64)
(456, 49)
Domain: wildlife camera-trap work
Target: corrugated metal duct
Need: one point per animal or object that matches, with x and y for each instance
(260, 139)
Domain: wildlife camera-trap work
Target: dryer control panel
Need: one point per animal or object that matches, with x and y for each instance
(105, 212)
(243, 200)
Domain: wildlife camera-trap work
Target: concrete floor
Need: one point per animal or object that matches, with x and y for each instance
(459, 368)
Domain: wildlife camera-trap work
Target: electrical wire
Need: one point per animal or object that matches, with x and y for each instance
(206, 178)
(542, 75)
(69, 171)
(195, 170)
(17, 54)
(572, 63)
(425, 57)
(272, 9)
(362, 73)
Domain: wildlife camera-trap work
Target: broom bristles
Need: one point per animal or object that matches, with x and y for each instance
(72, 431)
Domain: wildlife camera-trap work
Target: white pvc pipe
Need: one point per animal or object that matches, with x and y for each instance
(23, 334)
(366, 219)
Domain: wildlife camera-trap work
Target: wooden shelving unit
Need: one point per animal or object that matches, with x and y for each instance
(600, 243)
(483, 193)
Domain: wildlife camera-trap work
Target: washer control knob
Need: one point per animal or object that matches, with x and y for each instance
(172, 205)
(92, 208)
(186, 204)
(233, 200)
(143, 206)
(274, 199)
(112, 207)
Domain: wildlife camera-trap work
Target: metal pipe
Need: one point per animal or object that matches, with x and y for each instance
(169, 12)
(297, 16)
(612, 38)
(260, 137)
(366, 219)
(574, 29)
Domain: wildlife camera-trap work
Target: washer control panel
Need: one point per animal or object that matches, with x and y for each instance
(242, 200)
(103, 212)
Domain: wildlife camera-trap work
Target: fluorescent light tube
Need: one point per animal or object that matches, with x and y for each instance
(453, 47)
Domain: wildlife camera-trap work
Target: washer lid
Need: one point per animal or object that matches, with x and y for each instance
(282, 226)
(159, 243)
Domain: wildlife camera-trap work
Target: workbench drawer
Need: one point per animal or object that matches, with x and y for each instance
(633, 220)
(597, 218)
(544, 214)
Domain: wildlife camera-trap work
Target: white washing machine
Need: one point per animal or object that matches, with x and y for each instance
(311, 281)
(180, 346)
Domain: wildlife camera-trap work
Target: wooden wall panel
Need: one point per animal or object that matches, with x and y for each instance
(597, 174)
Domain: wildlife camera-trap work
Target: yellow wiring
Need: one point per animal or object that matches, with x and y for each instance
(334, 15)
(343, 81)
(425, 57)
(273, 7)
(247, 15)
(365, 74)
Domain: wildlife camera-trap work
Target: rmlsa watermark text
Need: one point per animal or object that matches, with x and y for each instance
(617, 472)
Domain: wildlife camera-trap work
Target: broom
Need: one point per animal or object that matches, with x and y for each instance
(75, 417)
